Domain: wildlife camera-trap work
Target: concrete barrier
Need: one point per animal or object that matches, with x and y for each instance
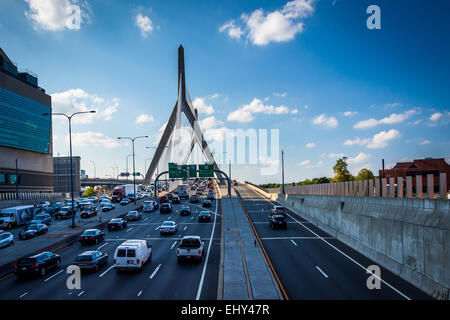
(409, 237)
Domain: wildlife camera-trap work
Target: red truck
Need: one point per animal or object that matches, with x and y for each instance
(121, 192)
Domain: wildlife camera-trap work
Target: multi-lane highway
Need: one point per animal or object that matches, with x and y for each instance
(162, 278)
(313, 265)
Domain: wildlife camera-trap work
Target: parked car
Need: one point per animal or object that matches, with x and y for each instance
(185, 211)
(117, 223)
(37, 264)
(65, 213)
(163, 199)
(132, 255)
(6, 239)
(89, 212)
(277, 221)
(92, 236)
(134, 215)
(108, 207)
(279, 210)
(176, 200)
(125, 201)
(168, 227)
(194, 199)
(204, 216)
(91, 260)
(33, 230)
(206, 203)
(165, 208)
(190, 248)
(44, 218)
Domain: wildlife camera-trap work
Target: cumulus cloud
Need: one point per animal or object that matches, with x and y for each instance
(425, 142)
(143, 118)
(304, 163)
(278, 94)
(202, 107)
(281, 25)
(323, 120)
(379, 140)
(359, 158)
(144, 24)
(309, 165)
(56, 15)
(393, 118)
(350, 113)
(75, 100)
(436, 116)
(335, 155)
(209, 122)
(245, 113)
(310, 145)
(92, 139)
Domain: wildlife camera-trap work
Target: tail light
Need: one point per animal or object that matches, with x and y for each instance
(15, 266)
(178, 251)
(137, 261)
(81, 237)
(199, 251)
(92, 237)
(35, 265)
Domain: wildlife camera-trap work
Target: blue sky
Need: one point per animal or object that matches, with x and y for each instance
(311, 69)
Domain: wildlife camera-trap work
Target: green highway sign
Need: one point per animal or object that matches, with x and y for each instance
(177, 171)
(136, 174)
(206, 170)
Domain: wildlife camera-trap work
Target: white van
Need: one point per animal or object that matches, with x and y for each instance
(132, 255)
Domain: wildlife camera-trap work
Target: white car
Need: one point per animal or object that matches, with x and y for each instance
(190, 248)
(149, 206)
(6, 239)
(132, 255)
(168, 227)
(104, 202)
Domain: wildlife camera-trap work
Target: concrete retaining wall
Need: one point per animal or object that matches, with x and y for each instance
(409, 237)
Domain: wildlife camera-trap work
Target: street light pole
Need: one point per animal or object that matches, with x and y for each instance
(70, 143)
(134, 170)
(282, 169)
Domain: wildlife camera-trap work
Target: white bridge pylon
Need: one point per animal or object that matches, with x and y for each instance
(174, 134)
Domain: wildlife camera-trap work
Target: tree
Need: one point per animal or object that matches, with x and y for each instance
(321, 180)
(89, 192)
(341, 171)
(365, 174)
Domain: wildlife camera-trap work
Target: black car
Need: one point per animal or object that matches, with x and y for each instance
(204, 216)
(37, 264)
(170, 196)
(176, 200)
(185, 211)
(33, 230)
(277, 221)
(165, 208)
(65, 213)
(194, 199)
(117, 224)
(91, 260)
(89, 212)
(108, 207)
(92, 236)
(206, 203)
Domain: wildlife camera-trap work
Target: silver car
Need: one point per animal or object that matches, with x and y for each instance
(168, 227)
(6, 239)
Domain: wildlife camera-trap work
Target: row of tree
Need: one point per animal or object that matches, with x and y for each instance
(341, 174)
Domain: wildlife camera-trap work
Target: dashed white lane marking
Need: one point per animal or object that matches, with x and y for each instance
(53, 275)
(106, 271)
(157, 228)
(80, 293)
(129, 229)
(173, 245)
(185, 228)
(154, 272)
(23, 294)
(70, 293)
(192, 218)
(102, 246)
(139, 294)
(323, 273)
(295, 244)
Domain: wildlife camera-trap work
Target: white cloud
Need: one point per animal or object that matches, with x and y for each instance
(92, 139)
(276, 26)
(143, 118)
(304, 163)
(425, 142)
(209, 122)
(350, 113)
(307, 164)
(361, 157)
(310, 145)
(202, 107)
(283, 94)
(233, 30)
(393, 118)
(335, 155)
(393, 105)
(144, 24)
(436, 116)
(323, 120)
(75, 100)
(245, 113)
(56, 15)
(379, 140)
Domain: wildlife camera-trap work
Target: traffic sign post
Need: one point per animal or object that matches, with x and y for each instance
(206, 170)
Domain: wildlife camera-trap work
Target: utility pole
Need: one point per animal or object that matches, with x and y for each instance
(282, 170)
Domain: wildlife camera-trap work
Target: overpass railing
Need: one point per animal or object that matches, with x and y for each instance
(429, 186)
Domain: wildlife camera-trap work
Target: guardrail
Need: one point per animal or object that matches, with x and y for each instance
(410, 187)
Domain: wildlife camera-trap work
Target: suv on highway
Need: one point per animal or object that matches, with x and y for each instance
(37, 264)
(65, 212)
(190, 248)
(277, 221)
(279, 210)
(165, 208)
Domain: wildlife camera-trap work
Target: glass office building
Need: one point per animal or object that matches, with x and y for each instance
(25, 133)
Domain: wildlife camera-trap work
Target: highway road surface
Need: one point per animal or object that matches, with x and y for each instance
(313, 265)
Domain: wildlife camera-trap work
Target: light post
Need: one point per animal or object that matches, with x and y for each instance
(95, 174)
(134, 171)
(70, 142)
(130, 155)
(282, 170)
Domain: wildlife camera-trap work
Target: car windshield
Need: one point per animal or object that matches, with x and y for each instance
(115, 220)
(84, 257)
(279, 218)
(132, 213)
(190, 243)
(168, 224)
(89, 233)
(204, 213)
(185, 208)
(4, 236)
